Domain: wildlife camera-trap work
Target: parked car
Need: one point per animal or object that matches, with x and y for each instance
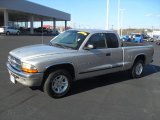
(42, 29)
(158, 40)
(150, 39)
(55, 32)
(9, 30)
(145, 36)
(158, 43)
(137, 38)
(73, 55)
(125, 38)
(23, 29)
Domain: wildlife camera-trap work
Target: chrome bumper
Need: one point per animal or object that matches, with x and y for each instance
(26, 79)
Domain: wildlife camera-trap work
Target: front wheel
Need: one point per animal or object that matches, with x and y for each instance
(137, 69)
(58, 83)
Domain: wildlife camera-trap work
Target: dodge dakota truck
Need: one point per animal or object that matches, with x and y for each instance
(73, 55)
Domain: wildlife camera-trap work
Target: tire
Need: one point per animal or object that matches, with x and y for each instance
(58, 83)
(18, 33)
(152, 40)
(7, 33)
(137, 69)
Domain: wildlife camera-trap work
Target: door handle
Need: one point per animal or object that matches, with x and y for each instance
(108, 54)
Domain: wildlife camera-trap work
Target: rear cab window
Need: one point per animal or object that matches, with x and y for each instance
(111, 40)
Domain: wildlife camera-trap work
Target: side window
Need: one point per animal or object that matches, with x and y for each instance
(9, 28)
(97, 40)
(111, 40)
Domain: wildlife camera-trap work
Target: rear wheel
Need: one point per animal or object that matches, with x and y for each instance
(137, 69)
(18, 33)
(58, 83)
(7, 33)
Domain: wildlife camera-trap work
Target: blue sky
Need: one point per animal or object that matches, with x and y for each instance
(92, 13)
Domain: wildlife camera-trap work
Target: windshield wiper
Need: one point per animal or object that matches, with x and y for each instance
(60, 45)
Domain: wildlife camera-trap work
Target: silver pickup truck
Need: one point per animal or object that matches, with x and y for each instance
(74, 55)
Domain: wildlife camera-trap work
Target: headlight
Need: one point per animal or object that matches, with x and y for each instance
(29, 68)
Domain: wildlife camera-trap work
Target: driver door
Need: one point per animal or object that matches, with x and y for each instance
(94, 61)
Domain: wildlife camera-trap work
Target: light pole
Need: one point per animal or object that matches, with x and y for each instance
(122, 11)
(107, 16)
(118, 16)
(112, 27)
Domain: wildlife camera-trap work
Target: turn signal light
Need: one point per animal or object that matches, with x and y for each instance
(29, 71)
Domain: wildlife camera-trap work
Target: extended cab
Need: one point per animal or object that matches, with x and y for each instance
(74, 55)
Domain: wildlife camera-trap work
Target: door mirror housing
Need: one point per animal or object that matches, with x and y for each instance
(89, 47)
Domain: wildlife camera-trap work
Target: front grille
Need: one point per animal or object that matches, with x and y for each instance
(14, 62)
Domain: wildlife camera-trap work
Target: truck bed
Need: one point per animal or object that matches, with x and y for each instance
(127, 44)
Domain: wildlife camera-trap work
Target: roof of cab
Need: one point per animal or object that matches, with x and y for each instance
(94, 30)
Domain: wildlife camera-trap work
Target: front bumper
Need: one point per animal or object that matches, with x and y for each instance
(26, 79)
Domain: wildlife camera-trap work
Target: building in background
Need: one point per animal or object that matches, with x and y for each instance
(22, 13)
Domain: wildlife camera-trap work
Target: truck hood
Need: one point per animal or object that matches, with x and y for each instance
(38, 51)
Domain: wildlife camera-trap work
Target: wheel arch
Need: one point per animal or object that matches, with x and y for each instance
(66, 66)
(140, 57)
(7, 32)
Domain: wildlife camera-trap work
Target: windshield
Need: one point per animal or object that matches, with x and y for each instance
(70, 39)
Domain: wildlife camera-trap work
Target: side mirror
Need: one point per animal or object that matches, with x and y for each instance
(89, 47)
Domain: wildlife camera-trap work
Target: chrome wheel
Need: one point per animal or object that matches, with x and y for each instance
(139, 69)
(60, 84)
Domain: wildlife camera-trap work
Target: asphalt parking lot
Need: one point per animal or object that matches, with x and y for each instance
(110, 97)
